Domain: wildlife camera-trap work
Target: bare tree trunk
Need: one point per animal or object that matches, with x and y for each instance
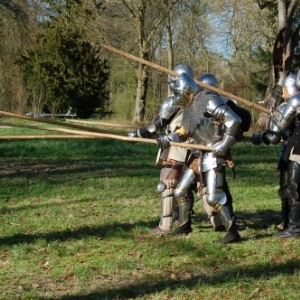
(144, 43)
(283, 53)
(170, 45)
(271, 98)
(140, 101)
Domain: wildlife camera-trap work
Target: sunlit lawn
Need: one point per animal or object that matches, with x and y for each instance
(75, 216)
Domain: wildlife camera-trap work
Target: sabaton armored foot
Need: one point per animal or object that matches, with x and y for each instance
(185, 229)
(287, 233)
(232, 236)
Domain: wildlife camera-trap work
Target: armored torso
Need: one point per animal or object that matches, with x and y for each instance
(198, 123)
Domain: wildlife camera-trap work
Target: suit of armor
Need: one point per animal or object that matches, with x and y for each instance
(207, 120)
(290, 120)
(273, 135)
(286, 119)
(172, 160)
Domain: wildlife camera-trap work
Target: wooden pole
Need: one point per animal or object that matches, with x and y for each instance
(206, 86)
(26, 126)
(100, 123)
(113, 136)
(135, 139)
(45, 137)
(63, 124)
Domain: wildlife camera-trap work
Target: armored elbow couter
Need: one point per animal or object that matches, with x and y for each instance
(282, 122)
(223, 146)
(232, 122)
(290, 112)
(217, 108)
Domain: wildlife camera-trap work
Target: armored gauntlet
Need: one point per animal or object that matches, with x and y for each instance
(163, 140)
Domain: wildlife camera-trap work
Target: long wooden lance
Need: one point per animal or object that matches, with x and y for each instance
(112, 136)
(45, 137)
(136, 139)
(30, 137)
(126, 138)
(63, 124)
(204, 85)
(96, 123)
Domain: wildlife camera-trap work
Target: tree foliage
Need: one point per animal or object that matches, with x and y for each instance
(67, 69)
(235, 40)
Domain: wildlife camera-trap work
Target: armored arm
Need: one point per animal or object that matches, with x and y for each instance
(163, 140)
(159, 123)
(273, 134)
(147, 131)
(231, 121)
(291, 110)
(270, 136)
(245, 116)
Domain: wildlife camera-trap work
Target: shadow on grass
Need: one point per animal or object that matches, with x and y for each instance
(258, 271)
(82, 171)
(259, 220)
(54, 203)
(256, 221)
(101, 232)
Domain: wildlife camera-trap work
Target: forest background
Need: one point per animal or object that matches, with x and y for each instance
(51, 56)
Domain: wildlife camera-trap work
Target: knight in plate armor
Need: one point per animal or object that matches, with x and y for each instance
(245, 115)
(286, 119)
(273, 135)
(172, 160)
(207, 120)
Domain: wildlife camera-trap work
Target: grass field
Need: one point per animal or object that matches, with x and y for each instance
(75, 216)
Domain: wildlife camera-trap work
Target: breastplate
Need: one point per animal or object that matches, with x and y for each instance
(207, 132)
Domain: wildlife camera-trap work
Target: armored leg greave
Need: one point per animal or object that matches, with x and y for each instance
(183, 211)
(292, 194)
(216, 197)
(212, 215)
(293, 197)
(167, 209)
(294, 218)
(180, 195)
(190, 201)
(169, 178)
(232, 234)
(285, 203)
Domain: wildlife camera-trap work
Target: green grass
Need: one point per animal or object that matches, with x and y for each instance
(75, 216)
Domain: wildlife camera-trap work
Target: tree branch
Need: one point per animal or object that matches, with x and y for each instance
(263, 4)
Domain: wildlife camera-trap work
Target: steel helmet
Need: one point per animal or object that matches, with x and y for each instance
(290, 84)
(181, 68)
(184, 87)
(184, 68)
(209, 79)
